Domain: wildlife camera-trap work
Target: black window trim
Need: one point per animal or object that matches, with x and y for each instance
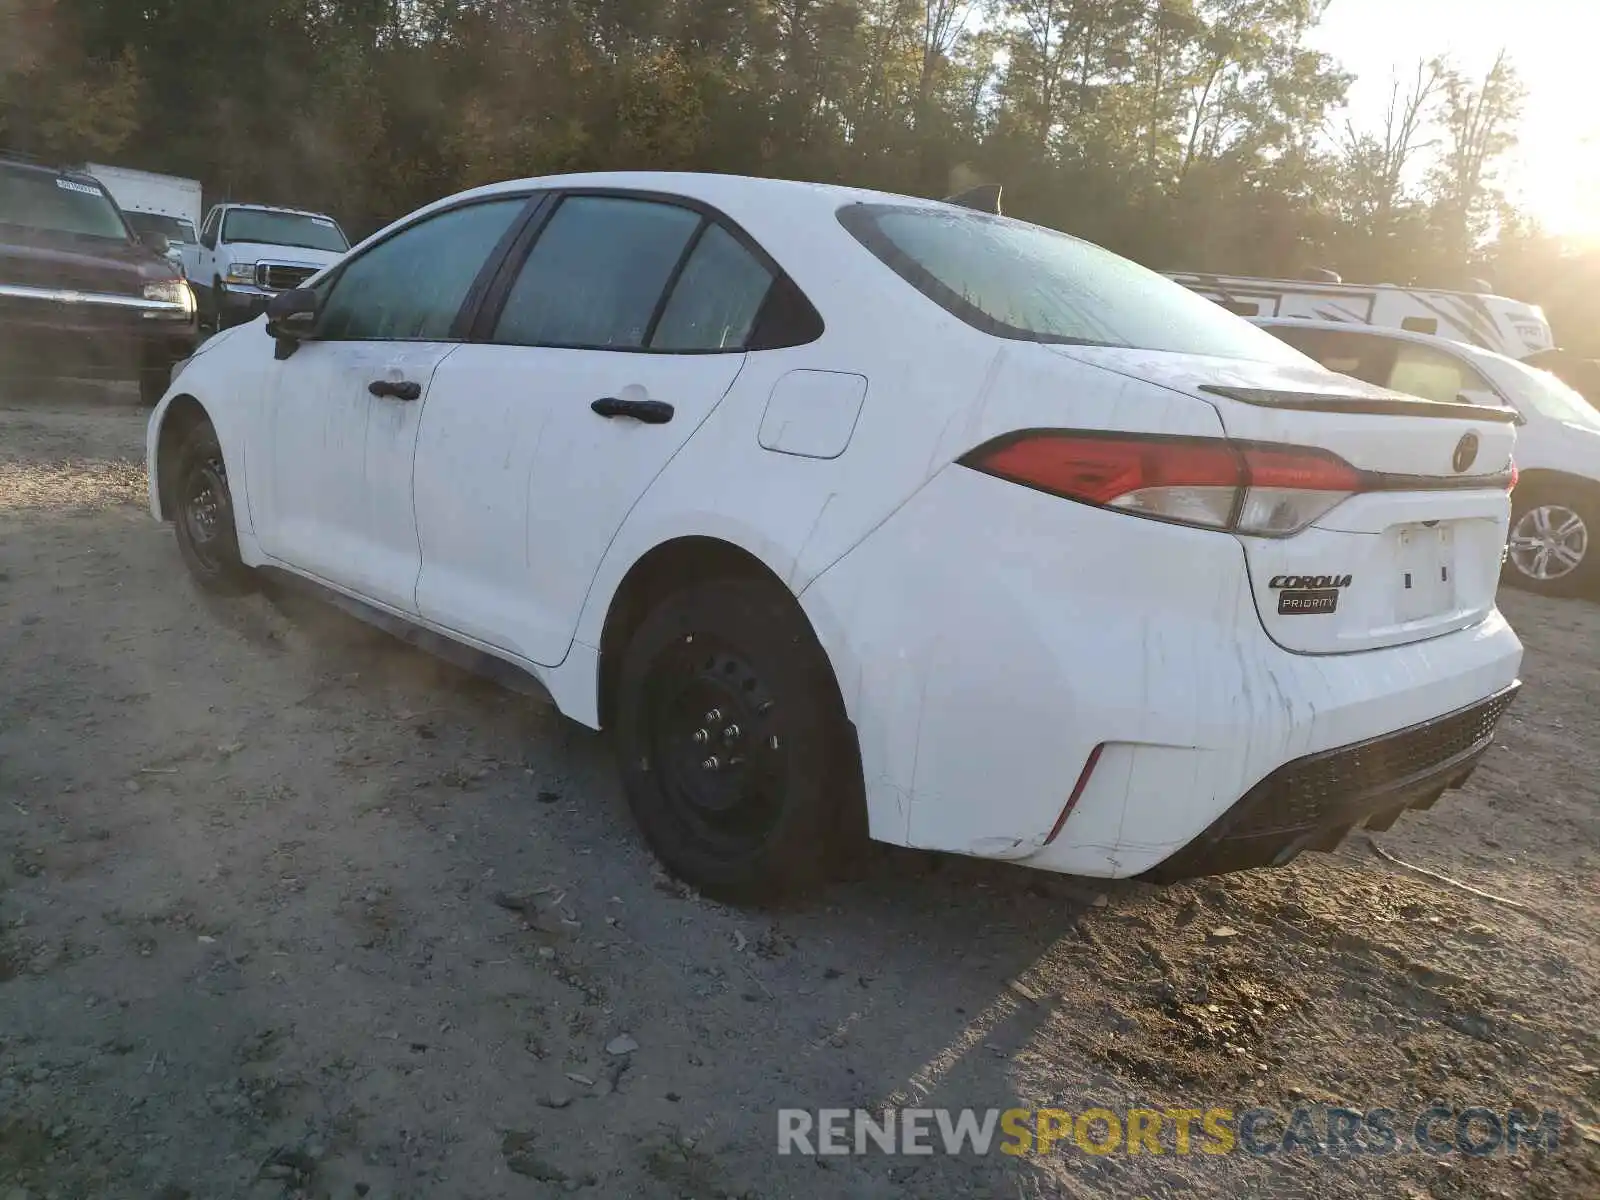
(489, 311)
(461, 324)
(671, 285)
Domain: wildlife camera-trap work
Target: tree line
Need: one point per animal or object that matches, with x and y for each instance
(1187, 134)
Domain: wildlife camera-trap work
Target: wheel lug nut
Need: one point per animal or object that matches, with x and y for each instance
(700, 735)
(713, 716)
(711, 764)
(731, 733)
(772, 742)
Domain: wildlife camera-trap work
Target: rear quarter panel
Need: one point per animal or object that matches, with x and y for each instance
(924, 371)
(936, 388)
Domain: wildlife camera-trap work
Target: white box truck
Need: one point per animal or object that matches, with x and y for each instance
(157, 204)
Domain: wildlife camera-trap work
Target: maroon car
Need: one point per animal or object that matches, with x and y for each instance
(81, 297)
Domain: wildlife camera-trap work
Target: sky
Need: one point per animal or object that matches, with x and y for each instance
(1555, 174)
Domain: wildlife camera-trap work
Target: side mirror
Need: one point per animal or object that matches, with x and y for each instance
(292, 318)
(293, 313)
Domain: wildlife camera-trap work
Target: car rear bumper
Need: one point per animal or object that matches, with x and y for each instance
(1313, 802)
(1088, 692)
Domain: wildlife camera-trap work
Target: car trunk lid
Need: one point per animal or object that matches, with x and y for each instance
(1413, 553)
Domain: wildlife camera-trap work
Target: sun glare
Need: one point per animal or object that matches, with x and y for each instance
(1554, 175)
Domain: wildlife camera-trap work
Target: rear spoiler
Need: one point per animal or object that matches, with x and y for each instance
(1392, 405)
(983, 198)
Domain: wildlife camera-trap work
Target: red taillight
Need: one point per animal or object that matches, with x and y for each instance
(1512, 486)
(1299, 469)
(1207, 482)
(1097, 470)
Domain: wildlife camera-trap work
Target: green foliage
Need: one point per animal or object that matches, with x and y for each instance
(1186, 133)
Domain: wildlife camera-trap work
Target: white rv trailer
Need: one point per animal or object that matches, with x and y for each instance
(1496, 323)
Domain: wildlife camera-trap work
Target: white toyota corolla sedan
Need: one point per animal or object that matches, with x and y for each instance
(848, 512)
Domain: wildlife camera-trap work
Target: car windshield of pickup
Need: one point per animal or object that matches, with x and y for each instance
(36, 199)
(283, 229)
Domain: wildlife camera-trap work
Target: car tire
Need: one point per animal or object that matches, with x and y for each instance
(735, 750)
(203, 516)
(1552, 545)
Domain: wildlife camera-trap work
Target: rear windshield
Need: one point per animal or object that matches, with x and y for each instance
(1023, 281)
(176, 229)
(283, 229)
(44, 200)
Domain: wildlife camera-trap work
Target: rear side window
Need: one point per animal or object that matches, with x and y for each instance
(1022, 281)
(1432, 374)
(596, 274)
(1360, 355)
(715, 302)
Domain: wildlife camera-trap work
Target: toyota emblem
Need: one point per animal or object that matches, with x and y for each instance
(1466, 452)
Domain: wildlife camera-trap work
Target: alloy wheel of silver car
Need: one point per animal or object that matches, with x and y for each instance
(1549, 542)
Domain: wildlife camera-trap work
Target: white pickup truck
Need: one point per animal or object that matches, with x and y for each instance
(251, 252)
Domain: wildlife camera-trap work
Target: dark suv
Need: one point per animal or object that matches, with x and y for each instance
(80, 295)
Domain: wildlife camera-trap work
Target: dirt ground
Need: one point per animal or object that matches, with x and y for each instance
(287, 909)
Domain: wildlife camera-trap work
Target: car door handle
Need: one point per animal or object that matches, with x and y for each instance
(397, 389)
(651, 412)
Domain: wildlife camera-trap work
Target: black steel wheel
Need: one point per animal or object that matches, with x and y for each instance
(733, 740)
(203, 516)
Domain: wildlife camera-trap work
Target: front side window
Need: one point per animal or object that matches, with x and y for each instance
(269, 228)
(596, 274)
(55, 204)
(410, 286)
(1022, 281)
(715, 302)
